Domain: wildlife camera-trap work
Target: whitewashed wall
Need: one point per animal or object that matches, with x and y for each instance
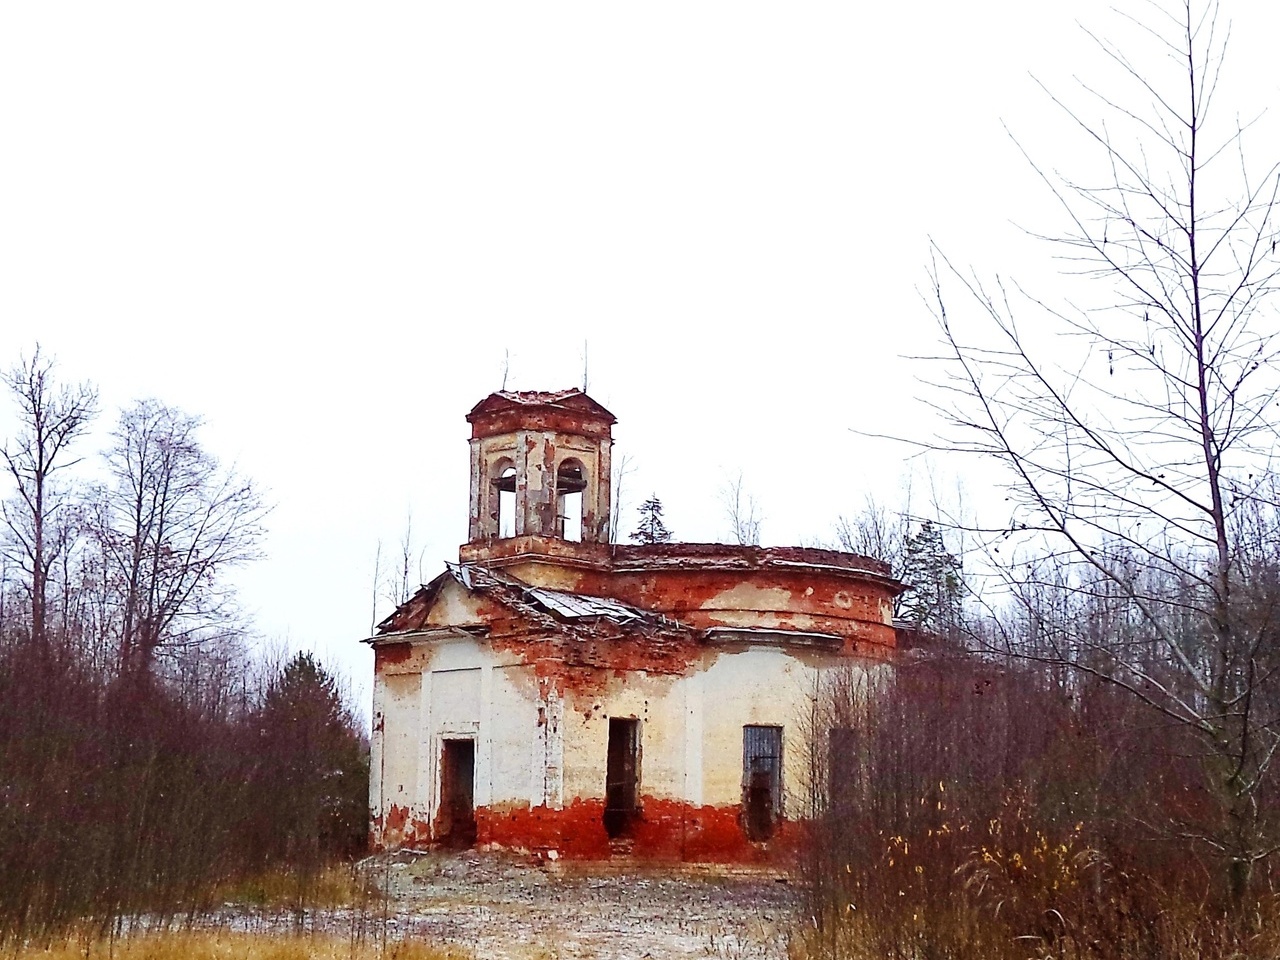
(537, 745)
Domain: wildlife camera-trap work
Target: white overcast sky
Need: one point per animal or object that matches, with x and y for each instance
(320, 227)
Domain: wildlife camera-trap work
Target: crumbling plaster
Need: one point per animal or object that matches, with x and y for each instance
(539, 744)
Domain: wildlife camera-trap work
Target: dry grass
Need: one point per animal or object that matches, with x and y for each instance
(223, 945)
(334, 887)
(1005, 889)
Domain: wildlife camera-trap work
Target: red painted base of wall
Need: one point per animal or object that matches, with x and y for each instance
(664, 830)
(398, 829)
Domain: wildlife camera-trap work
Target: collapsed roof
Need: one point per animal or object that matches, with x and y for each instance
(537, 603)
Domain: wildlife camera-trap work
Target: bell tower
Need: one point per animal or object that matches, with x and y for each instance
(540, 465)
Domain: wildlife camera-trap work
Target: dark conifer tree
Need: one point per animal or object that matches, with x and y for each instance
(934, 583)
(315, 775)
(651, 529)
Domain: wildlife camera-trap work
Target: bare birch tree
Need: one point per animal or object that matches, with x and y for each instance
(38, 527)
(1129, 464)
(170, 524)
(623, 467)
(741, 511)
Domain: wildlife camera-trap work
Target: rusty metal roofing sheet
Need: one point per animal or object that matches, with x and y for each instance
(575, 605)
(570, 606)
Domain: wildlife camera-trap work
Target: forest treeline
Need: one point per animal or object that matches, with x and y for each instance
(148, 754)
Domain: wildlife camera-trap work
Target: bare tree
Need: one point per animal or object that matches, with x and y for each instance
(38, 524)
(623, 467)
(169, 525)
(876, 531)
(377, 588)
(1132, 441)
(394, 584)
(408, 573)
(741, 510)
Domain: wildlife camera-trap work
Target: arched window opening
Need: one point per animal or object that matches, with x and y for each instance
(506, 488)
(571, 480)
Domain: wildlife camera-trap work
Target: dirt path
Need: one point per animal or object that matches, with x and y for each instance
(504, 908)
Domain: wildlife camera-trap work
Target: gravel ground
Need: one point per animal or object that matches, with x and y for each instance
(506, 908)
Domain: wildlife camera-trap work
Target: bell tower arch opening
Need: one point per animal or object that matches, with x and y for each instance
(504, 495)
(571, 483)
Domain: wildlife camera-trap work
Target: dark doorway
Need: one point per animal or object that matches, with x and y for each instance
(761, 780)
(456, 820)
(622, 777)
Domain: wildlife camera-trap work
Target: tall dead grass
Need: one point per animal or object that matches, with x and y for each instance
(1004, 889)
(332, 887)
(225, 945)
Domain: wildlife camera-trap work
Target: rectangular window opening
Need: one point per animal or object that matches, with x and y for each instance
(761, 780)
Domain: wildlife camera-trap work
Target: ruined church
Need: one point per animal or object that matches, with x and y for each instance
(556, 693)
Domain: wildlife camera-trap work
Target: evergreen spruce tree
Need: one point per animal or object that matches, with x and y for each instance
(651, 529)
(315, 768)
(934, 582)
